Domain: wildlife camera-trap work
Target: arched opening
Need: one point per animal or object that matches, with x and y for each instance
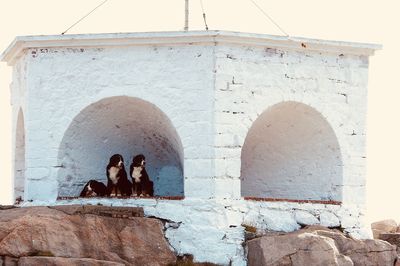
(291, 152)
(19, 160)
(127, 126)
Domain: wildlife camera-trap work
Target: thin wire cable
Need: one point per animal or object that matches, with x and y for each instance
(270, 19)
(94, 9)
(204, 14)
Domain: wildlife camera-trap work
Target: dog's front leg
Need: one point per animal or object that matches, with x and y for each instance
(139, 189)
(134, 189)
(113, 191)
(109, 189)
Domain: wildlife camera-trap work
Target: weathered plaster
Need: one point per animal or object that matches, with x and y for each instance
(206, 96)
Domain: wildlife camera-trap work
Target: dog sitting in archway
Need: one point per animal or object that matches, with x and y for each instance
(94, 188)
(141, 183)
(118, 183)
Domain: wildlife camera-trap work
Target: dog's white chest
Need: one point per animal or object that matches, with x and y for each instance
(137, 173)
(113, 173)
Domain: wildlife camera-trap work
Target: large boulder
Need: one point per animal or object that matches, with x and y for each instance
(392, 238)
(384, 226)
(74, 233)
(317, 245)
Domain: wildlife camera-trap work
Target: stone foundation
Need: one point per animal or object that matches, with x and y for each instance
(213, 230)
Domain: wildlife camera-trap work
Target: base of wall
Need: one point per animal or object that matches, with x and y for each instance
(213, 230)
(294, 200)
(123, 197)
(327, 202)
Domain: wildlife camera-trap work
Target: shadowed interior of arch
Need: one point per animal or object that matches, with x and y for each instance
(120, 125)
(291, 152)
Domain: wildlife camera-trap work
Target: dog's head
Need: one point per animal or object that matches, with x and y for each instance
(117, 160)
(90, 191)
(139, 160)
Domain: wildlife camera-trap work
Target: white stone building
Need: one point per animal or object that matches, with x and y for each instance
(241, 128)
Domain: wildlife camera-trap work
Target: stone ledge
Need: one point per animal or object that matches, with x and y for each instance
(116, 212)
(122, 197)
(59, 261)
(328, 202)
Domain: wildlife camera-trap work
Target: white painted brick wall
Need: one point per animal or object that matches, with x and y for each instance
(212, 86)
(249, 80)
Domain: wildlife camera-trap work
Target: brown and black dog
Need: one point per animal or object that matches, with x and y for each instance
(93, 188)
(141, 183)
(118, 183)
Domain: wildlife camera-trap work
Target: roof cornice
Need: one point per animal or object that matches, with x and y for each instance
(15, 49)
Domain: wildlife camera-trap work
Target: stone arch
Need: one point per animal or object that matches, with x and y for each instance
(124, 125)
(19, 157)
(291, 152)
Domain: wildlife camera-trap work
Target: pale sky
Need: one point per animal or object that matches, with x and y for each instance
(344, 20)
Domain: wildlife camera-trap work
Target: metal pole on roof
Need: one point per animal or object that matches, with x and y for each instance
(186, 28)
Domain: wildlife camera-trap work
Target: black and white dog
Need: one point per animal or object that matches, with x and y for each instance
(94, 188)
(141, 183)
(118, 183)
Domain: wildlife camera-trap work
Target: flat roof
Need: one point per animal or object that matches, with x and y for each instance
(20, 43)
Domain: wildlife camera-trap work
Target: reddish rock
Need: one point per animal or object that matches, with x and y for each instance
(392, 238)
(363, 252)
(26, 232)
(8, 261)
(384, 226)
(116, 212)
(294, 249)
(55, 261)
(318, 246)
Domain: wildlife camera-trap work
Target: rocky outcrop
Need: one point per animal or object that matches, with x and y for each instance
(99, 235)
(56, 261)
(392, 238)
(384, 226)
(77, 235)
(316, 245)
